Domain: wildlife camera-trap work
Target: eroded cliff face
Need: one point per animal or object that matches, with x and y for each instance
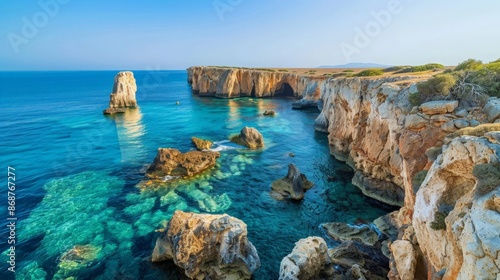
(239, 82)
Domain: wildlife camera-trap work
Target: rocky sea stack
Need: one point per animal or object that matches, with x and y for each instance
(207, 246)
(123, 94)
(293, 185)
(171, 162)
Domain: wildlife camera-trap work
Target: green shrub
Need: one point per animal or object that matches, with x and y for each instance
(436, 88)
(395, 68)
(418, 179)
(348, 71)
(370, 72)
(421, 68)
(469, 64)
(488, 177)
(439, 221)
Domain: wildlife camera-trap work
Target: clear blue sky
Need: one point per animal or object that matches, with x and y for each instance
(93, 34)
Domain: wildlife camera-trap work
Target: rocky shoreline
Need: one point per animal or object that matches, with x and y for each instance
(438, 162)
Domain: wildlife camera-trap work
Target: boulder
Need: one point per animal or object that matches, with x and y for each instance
(363, 233)
(308, 260)
(492, 109)
(439, 107)
(207, 246)
(249, 137)
(171, 162)
(293, 185)
(123, 94)
(201, 144)
(269, 113)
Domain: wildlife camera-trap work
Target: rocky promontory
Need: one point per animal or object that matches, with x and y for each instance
(438, 161)
(123, 94)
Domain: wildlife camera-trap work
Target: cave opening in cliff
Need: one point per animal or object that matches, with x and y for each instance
(285, 91)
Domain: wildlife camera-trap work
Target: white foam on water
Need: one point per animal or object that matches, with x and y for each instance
(219, 146)
(169, 178)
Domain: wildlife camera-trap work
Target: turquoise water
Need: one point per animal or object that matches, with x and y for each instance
(78, 173)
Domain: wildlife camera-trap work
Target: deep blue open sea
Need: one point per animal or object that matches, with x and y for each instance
(77, 173)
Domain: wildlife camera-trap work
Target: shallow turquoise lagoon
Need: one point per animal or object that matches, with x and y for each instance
(77, 173)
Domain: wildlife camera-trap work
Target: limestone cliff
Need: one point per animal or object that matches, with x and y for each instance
(238, 82)
(449, 224)
(123, 94)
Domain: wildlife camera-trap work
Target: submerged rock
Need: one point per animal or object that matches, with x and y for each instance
(293, 185)
(171, 162)
(352, 258)
(123, 94)
(207, 246)
(201, 144)
(249, 137)
(308, 260)
(269, 113)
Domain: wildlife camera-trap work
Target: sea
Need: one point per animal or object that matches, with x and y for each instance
(78, 199)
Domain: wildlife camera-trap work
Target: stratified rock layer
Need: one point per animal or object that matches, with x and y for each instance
(308, 260)
(171, 162)
(123, 94)
(207, 246)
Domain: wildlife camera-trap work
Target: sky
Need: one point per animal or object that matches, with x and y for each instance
(155, 34)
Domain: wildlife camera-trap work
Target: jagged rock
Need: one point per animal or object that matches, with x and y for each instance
(293, 185)
(207, 246)
(269, 113)
(438, 120)
(439, 107)
(201, 144)
(456, 215)
(123, 94)
(308, 260)
(406, 257)
(172, 162)
(492, 109)
(351, 253)
(249, 137)
(388, 225)
(363, 233)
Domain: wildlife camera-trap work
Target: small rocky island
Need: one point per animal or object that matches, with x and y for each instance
(123, 94)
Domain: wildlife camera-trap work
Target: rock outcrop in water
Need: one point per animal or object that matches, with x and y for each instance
(171, 162)
(249, 137)
(207, 246)
(123, 94)
(308, 260)
(201, 144)
(293, 185)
